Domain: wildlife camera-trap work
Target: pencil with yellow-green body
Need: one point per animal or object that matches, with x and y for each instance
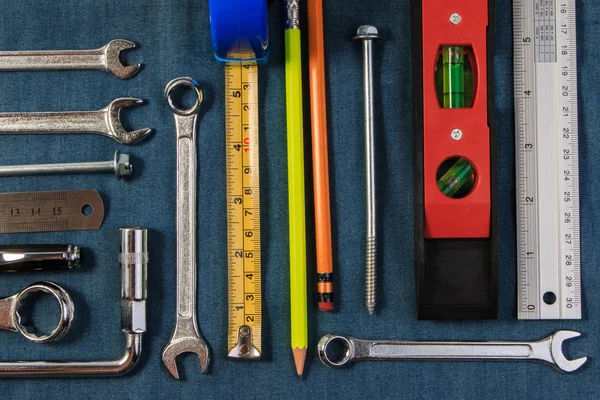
(297, 213)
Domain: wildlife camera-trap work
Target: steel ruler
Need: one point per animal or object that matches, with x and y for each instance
(243, 208)
(63, 210)
(547, 159)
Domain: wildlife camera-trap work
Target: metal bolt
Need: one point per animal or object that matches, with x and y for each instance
(120, 166)
(455, 19)
(367, 34)
(456, 134)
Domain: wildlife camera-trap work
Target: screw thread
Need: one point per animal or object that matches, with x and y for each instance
(371, 273)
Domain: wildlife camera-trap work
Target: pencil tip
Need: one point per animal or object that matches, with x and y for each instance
(299, 359)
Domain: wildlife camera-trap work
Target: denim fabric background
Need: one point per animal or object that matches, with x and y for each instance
(175, 41)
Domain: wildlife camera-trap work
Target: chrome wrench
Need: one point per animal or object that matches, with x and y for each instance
(106, 122)
(186, 336)
(547, 351)
(106, 58)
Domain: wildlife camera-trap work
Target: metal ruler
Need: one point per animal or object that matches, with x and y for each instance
(63, 210)
(243, 209)
(547, 159)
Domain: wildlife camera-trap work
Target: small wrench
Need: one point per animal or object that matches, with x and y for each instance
(11, 320)
(547, 351)
(105, 122)
(186, 337)
(105, 58)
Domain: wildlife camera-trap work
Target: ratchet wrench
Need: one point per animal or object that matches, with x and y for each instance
(12, 320)
(186, 336)
(106, 58)
(547, 351)
(106, 122)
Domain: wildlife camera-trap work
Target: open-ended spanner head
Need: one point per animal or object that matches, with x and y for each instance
(112, 52)
(181, 345)
(113, 121)
(560, 362)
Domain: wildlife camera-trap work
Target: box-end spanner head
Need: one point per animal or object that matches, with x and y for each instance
(338, 351)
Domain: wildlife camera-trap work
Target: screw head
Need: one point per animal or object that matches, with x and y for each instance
(456, 134)
(455, 19)
(123, 165)
(367, 32)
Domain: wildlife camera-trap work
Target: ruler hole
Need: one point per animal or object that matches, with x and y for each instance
(549, 298)
(456, 177)
(87, 210)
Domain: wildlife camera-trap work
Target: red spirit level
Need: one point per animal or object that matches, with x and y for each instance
(456, 227)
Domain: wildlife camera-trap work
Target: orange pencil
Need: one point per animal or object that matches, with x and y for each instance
(318, 110)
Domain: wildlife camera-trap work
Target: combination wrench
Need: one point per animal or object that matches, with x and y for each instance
(547, 351)
(186, 336)
(106, 58)
(106, 122)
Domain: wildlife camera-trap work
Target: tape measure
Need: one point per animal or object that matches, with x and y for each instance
(243, 207)
(64, 210)
(547, 157)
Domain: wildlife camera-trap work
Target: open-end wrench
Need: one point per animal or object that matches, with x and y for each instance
(105, 122)
(547, 351)
(186, 336)
(106, 58)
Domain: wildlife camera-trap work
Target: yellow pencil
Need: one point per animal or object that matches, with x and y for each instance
(295, 137)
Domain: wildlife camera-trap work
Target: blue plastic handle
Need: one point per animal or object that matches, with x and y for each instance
(235, 20)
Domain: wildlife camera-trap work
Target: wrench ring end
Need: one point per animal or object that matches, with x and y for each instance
(335, 340)
(67, 311)
(191, 83)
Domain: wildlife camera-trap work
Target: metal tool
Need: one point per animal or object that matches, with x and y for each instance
(244, 335)
(39, 257)
(367, 34)
(547, 351)
(63, 210)
(120, 166)
(134, 263)
(186, 337)
(11, 314)
(106, 122)
(106, 58)
(547, 160)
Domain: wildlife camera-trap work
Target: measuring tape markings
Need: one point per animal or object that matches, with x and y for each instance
(547, 170)
(243, 205)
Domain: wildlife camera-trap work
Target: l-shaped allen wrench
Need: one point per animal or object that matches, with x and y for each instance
(134, 262)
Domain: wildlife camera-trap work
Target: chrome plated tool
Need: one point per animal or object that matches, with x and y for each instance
(547, 351)
(134, 264)
(39, 257)
(186, 336)
(11, 317)
(106, 58)
(106, 122)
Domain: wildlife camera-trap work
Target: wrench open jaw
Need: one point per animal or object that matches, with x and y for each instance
(181, 343)
(559, 361)
(113, 121)
(112, 53)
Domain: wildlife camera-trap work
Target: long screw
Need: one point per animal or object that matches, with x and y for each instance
(368, 33)
(120, 166)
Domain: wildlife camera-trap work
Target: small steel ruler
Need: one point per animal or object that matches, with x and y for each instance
(243, 207)
(547, 159)
(63, 210)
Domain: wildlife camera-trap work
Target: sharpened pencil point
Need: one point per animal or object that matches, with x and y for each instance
(299, 359)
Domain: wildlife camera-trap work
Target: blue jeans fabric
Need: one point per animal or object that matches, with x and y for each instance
(175, 41)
